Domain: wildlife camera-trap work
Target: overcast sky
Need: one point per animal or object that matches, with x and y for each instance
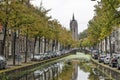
(62, 10)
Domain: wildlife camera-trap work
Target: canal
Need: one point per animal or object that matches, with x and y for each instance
(68, 68)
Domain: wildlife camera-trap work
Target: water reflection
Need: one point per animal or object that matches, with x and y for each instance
(81, 71)
(87, 71)
(82, 75)
(47, 73)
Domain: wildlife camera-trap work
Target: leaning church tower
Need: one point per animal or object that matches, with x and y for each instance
(74, 28)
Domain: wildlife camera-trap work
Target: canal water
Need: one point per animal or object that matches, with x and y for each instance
(87, 71)
(72, 69)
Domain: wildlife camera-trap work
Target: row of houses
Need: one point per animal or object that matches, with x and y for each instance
(114, 39)
(20, 42)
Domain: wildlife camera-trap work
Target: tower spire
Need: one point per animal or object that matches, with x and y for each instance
(74, 28)
(73, 18)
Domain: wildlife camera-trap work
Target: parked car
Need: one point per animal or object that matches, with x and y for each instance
(42, 56)
(37, 57)
(94, 51)
(49, 54)
(107, 59)
(118, 61)
(113, 60)
(58, 53)
(95, 54)
(46, 56)
(101, 57)
(3, 62)
(52, 54)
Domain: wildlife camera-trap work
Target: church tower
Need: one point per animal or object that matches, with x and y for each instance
(74, 28)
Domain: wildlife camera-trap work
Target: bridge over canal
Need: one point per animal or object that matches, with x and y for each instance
(78, 56)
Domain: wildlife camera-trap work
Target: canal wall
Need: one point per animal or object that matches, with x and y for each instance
(19, 71)
(110, 72)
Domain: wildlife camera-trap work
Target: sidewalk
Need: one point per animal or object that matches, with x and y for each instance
(17, 63)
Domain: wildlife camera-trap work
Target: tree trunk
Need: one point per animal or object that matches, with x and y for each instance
(4, 39)
(101, 46)
(5, 29)
(13, 49)
(26, 52)
(105, 45)
(44, 45)
(53, 45)
(34, 46)
(48, 44)
(39, 45)
(110, 46)
(56, 45)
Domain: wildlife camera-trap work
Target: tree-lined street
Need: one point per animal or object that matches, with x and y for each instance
(28, 34)
(26, 30)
